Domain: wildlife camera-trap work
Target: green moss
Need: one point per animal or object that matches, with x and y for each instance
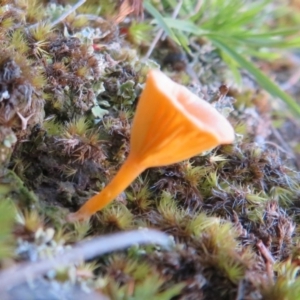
(7, 218)
(77, 85)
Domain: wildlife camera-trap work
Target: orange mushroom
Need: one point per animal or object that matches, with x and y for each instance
(170, 124)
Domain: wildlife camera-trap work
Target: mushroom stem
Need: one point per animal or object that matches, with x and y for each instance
(130, 169)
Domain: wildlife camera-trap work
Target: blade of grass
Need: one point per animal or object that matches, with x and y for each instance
(271, 42)
(184, 25)
(183, 41)
(256, 40)
(260, 77)
(273, 33)
(160, 20)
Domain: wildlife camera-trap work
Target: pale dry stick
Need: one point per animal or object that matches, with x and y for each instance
(281, 140)
(284, 145)
(288, 153)
(198, 6)
(80, 252)
(67, 13)
(265, 252)
(269, 259)
(154, 42)
(241, 290)
(174, 15)
(161, 31)
(196, 10)
(294, 79)
(91, 17)
(62, 17)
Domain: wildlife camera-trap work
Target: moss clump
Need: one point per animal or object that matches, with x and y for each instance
(68, 95)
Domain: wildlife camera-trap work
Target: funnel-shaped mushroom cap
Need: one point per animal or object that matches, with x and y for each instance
(172, 124)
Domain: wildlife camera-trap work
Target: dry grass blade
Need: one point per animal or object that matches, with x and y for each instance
(127, 7)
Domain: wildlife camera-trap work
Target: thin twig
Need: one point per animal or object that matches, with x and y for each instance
(62, 17)
(80, 252)
(174, 14)
(269, 259)
(161, 31)
(288, 153)
(284, 144)
(154, 42)
(265, 252)
(196, 9)
(294, 79)
(198, 6)
(241, 290)
(91, 17)
(67, 13)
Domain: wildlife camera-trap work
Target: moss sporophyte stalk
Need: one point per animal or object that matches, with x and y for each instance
(171, 124)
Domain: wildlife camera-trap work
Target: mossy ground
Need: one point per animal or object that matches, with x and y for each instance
(68, 96)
